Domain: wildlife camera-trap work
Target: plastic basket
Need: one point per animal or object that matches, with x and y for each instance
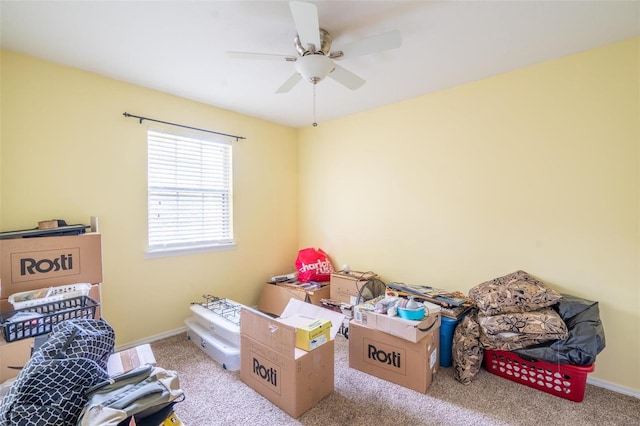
(25, 299)
(40, 319)
(564, 380)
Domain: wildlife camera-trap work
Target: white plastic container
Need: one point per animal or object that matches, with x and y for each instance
(225, 325)
(25, 299)
(220, 350)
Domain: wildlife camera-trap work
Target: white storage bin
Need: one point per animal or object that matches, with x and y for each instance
(217, 348)
(214, 323)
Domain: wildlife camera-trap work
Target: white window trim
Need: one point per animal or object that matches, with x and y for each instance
(159, 251)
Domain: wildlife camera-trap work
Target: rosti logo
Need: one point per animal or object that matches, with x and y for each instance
(45, 264)
(391, 358)
(32, 266)
(268, 374)
(383, 355)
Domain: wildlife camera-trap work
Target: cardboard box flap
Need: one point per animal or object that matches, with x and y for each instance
(430, 308)
(296, 306)
(124, 361)
(270, 332)
(407, 329)
(274, 297)
(423, 326)
(355, 275)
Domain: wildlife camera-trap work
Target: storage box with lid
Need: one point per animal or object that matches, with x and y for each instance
(220, 317)
(220, 350)
(215, 329)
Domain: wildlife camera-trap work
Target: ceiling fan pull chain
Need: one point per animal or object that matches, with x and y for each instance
(315, 124)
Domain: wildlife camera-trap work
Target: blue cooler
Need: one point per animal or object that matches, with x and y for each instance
(447, 327)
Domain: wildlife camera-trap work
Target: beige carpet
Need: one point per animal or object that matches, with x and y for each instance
(215, 396)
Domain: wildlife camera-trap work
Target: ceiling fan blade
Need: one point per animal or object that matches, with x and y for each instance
(261, 56)
(373, 44)
(305, 18)
(346, 78)
(288, 85)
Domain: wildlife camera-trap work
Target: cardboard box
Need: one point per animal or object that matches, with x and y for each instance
(413, 331)
(275, 297)
(127, 360)
(310, 332)
(272, 365)
(40, 262)
(13, 356)
(345, 287)
(394, 359)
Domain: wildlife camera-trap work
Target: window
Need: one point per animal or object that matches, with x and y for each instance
(189, 192)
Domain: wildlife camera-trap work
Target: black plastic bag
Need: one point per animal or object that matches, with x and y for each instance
(586, 335)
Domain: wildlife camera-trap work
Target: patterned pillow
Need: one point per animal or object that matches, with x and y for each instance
(518, 330)
(515, 292)
(466, 352)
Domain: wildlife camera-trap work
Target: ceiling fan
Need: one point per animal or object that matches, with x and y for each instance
(315, 60)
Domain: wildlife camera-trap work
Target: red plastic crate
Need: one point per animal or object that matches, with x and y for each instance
(563, 380)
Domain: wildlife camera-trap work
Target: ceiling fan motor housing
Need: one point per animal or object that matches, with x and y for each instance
(313, 64)
(325, 44)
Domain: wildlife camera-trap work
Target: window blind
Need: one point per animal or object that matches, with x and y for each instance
(189, 191)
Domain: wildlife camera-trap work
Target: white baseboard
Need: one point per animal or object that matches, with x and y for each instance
(613, 387)
(151, 339)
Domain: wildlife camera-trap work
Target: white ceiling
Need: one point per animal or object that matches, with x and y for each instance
(178, 47)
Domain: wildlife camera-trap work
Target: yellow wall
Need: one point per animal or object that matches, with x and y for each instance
(68, 153)
(535, 169)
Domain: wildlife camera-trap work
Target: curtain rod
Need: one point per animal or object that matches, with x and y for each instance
(126, 114)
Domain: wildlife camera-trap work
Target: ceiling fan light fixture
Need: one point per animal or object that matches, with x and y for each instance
(314, 68)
